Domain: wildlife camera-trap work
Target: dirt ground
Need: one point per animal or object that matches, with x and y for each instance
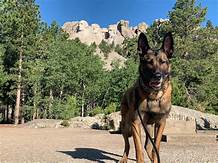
(66, 145)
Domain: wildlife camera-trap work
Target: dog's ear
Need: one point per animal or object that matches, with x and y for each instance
(142, 44)
(167, 45)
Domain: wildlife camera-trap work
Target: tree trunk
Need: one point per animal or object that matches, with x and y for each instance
(82, 107)
(22, 120)
(7, 113)
(61, 92)
(3, 112)
(34, 104)
(12, 112)
(34, 111)
(83, 101)
(50, 101)
(17, 106)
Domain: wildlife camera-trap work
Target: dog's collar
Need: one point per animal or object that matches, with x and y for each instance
(154, 96)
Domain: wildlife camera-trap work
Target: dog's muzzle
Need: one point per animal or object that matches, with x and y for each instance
(157, 80)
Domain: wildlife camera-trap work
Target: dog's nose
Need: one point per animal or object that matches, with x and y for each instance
(157, 75)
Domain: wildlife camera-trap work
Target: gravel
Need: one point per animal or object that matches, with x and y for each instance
(76, 145)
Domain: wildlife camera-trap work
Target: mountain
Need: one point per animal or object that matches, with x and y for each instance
(114, 34)
(94, 33)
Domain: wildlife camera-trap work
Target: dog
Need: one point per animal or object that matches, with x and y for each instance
(151, 94)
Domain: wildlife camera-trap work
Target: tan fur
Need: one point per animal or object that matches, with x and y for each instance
(130, 124)
(150, 95)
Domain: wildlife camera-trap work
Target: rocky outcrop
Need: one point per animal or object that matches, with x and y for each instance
(114, 34)
(203, 120)
(179, 119)
(96, 122)
(43, 123)
(111, 57)
(113, 120)
(87, 34)
(125, 30)
(94, 33)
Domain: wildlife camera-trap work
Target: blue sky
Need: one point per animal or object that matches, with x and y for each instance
(105, 12)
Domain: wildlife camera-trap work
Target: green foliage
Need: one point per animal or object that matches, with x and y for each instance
(186, 17)
(129, 48)
(157, 31)
(62, 78)
(2, 73)
(119, 80)
(93, 46)
(95, 111)
(112, 107)
(179, 93)
(27, 112)
(118, 49)
(105, 48)
(64, 109)
(194, 67)
(70, 108)
(209, 24)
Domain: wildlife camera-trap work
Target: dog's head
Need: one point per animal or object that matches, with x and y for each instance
(154, 66)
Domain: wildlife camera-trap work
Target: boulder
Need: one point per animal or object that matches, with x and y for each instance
(96, 122)
(113, 57)
(44, 123)
(203, 120)
(113, 120)
(180, 121)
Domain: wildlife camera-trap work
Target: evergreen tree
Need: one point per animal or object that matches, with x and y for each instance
(19, 20)
(3, 77)
(195, 53)
(186, 17)
(209, 24)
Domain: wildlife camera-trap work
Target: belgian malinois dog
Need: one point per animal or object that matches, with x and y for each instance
(151, 95)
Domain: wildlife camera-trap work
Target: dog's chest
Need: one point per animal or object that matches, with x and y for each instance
(156, 106)
(155, 110)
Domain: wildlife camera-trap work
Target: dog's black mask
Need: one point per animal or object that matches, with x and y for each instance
(154, 65)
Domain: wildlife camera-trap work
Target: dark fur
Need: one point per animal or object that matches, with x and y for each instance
(151, 94)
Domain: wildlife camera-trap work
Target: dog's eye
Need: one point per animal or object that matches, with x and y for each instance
(162, 61)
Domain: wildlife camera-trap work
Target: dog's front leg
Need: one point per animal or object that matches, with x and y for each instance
(136, 132)
(148, 145)
(159, 128)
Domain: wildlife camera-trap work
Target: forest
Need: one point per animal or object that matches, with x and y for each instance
(45, 75)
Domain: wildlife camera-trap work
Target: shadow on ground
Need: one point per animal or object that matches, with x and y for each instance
(92, 154)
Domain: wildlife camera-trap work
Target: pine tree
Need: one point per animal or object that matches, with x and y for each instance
(19, 19)
(194, 58)
(186, 17)
(3, 75)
